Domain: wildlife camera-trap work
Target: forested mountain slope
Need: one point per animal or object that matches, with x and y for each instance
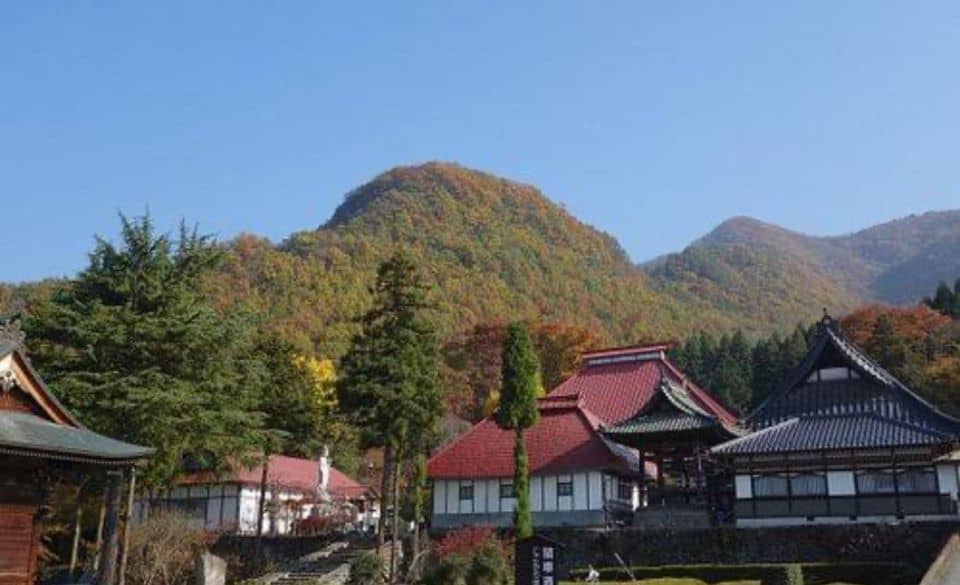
(495, 249)
(759, 270)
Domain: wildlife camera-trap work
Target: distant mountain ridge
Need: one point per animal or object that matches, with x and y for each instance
(744, 263)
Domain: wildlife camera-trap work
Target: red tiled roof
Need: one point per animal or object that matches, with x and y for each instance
(567, 437)
(343, 486)
(563, 440)
(291, 473)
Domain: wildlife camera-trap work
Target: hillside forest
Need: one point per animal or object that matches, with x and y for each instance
(213, 351)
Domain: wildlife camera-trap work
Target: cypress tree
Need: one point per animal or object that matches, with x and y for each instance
(520, 381)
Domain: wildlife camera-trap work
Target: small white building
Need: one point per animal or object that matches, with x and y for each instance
(297, 491)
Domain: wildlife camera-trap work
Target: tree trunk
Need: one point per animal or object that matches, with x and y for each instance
(384, 497)
(77, 528)
(100, 522)
(263, 499)
(111, 535)
(413, 575)
(127, 516)
(395, 539)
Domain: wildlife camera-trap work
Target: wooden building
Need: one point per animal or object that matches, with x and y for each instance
(842, 440)
(41, 444)
(675, 430)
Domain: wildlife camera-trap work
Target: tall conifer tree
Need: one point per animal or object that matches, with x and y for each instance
(520, 382)
(389, 385)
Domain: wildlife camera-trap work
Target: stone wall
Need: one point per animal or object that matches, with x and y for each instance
(915, 544)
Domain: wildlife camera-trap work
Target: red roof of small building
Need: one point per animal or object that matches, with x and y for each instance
(292, 473)
(612, 387)
(342, 486)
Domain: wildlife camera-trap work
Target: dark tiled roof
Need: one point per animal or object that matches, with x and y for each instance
(874, 391)
(819, 433)
(24, 433)
(661, 422)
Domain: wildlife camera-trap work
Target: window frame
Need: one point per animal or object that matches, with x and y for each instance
(465, 488)
(507, 491)
(754, 479)
(813, 474)
(858, 481)
(565, 486)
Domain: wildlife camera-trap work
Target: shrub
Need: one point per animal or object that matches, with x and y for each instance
(464, 541)
(489, 566)
(451, 570)
(366, 569)
(163, 550)
(791, 574)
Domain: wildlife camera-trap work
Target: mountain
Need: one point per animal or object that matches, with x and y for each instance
(494, 249)
(759, 269)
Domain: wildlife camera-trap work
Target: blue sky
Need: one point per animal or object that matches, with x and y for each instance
(651, 121)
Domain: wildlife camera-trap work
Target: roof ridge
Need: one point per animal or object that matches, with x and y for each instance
(751, 436)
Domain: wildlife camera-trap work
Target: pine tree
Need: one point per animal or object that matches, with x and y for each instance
(390, 379)
(520, 381)
(133, 346)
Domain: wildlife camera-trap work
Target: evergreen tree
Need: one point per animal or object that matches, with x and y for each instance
(765, 370)
(135, 349)
(389, 385)
(520, 381)
(887, 346)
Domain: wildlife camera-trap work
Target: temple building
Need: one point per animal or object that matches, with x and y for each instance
(581, 474)
(842, 440)
(298, 495)
(41, 445)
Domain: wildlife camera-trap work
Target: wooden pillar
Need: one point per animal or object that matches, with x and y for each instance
(111, 534)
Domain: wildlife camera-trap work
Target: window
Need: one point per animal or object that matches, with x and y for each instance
(875, 482)
(466, 491)
(918, 480)
(769, 486)
(625, 490)
(506, 490)
(808, 484)
(564, 488)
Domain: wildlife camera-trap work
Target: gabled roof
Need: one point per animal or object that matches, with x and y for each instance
(674, 409)
(874, 390)
(292, 473)
(33, 423)
(612, 386)
(833, 432)
(620, 389)
(563, 440)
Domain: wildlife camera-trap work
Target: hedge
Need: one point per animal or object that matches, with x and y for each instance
(769, 574)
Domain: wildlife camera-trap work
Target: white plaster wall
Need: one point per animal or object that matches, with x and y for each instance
(536, 493)
(579, 491)
(480, 495)
(439, 496)
(841, 483)
(453, 496)
(550, 493)
(595, 480)
(493, 495)
(947, 478)
(744, 487)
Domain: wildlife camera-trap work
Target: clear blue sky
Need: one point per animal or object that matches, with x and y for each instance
(651, 121)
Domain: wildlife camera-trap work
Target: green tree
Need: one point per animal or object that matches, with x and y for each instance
(389, 385)
(887, 346)
(520, 382)
(135, 349)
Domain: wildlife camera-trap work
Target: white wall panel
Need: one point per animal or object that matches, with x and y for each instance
(947, 478)
(439, 496)
(744, 486)
(550, 493)
(480, 496)
(536, 494)
(579, 491)
(596, 490)
(453, 496)
(493, 495)
(841, 483)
